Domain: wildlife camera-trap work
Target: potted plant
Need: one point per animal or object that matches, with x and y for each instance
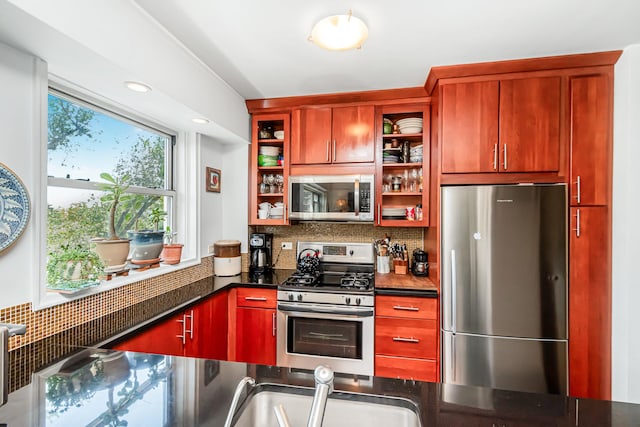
(172, 252)
(72, 268)
(146, 245)
(113, 251)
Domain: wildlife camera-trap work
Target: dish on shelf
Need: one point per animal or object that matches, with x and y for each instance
(269, 150)
(279, 134)
(410, 129)
(393, 211)
(410, 120)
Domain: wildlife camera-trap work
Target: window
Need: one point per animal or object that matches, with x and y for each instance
(86, 146)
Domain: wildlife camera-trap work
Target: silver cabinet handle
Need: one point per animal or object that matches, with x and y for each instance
(495, 156)
(189, 331)
(273, 324)
(454, 280)
(577, 229)
(411, 340)
(333, 158)
(505, 156)
(399, 307)
(255, 299)
(183, 337)
(328, 142)
(577, 196)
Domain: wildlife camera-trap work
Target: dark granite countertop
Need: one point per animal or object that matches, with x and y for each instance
(104, 387)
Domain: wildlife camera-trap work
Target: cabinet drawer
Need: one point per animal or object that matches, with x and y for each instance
(408, 338)
(256, 297)
(406, 368)
(407, 307)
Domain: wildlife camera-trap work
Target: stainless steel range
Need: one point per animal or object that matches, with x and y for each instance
(325, 309)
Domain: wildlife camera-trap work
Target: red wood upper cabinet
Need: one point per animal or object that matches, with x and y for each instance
(469, 127)
(591, 106)
(333, 135)
(501, 126)
(314, 136)
(530, 124)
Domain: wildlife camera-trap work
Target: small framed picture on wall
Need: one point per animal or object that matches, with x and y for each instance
(213, 180)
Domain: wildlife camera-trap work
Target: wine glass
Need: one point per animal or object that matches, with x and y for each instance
(280, 182)
(414, 180)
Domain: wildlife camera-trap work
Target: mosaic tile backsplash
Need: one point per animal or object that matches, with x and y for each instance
(331, 232)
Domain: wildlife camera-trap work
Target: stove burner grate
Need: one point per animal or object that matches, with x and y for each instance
(356, 280)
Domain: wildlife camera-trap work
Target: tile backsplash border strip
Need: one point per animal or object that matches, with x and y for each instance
(50, 321)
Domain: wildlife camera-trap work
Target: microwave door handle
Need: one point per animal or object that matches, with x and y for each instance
(356, 197)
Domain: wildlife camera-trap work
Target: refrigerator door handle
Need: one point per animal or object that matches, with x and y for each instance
(453, 358)
(452, 295)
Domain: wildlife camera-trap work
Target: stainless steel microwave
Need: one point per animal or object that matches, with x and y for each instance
(331, 198)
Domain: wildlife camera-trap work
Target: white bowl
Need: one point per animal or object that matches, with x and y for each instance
(263, 213)
(279, 134)
(411, 129)
(411, 120)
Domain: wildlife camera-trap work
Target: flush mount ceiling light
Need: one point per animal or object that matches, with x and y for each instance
(138, 87)
(339, 32)
(200, 121)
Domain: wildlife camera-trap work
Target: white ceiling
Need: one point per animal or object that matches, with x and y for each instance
(260, 47)
(205, 57)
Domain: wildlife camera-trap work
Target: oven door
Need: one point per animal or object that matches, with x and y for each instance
(340, 337)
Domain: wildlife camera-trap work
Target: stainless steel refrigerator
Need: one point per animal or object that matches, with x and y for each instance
(504, 286)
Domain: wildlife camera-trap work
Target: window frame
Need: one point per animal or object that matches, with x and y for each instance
(181, 163)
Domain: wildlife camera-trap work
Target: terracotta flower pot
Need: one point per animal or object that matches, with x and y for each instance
(171, 253)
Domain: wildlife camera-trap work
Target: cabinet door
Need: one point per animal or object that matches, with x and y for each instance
(530, 125)
(590, 304)
(314, 133)
(470, 127)
(210, 328)
(162, 338)
(256, 335)
(353, 134)
(590, 139)
(406, 368)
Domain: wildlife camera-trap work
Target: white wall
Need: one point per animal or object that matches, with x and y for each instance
(626, 235)
(20, 84)
(224, 215)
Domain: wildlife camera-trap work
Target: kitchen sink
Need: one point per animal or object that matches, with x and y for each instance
(343, 408)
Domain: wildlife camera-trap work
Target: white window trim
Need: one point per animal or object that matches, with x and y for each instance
(186, 184)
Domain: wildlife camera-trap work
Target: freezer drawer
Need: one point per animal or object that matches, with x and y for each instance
(538, 366)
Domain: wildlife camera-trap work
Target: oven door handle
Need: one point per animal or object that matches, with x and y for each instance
(352, 311)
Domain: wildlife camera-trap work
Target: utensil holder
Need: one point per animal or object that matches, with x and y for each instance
(383, 264)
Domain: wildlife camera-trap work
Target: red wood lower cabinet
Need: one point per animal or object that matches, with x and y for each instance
(256, 335)
(590, 304)
(163, 338)
(203, 326)
(406, 341)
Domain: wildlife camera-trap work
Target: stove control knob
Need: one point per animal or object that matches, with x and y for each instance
(347, 300)
(299, 297)
(358, 301)
(351, 252)
(290, 297)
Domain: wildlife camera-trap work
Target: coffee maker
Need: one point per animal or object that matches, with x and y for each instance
(260, 249)
(420, 265)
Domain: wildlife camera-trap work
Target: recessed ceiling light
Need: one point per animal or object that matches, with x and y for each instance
(200, 121)
(339, 32)
(138, 87)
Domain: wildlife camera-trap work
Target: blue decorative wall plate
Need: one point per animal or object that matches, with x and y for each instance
(14, 207)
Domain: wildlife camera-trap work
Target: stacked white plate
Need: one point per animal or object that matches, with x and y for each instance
(415, 154)
(410, 125)
(268, 150)
(393, 213)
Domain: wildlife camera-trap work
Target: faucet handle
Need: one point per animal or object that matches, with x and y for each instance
(323, 375)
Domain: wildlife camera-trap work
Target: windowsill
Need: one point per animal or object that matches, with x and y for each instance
(54, 298)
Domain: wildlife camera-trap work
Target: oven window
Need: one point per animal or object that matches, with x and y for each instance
(324, 337)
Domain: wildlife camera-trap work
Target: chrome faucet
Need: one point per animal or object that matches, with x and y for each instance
(236, 398)
(323, 376)
(7, 330)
